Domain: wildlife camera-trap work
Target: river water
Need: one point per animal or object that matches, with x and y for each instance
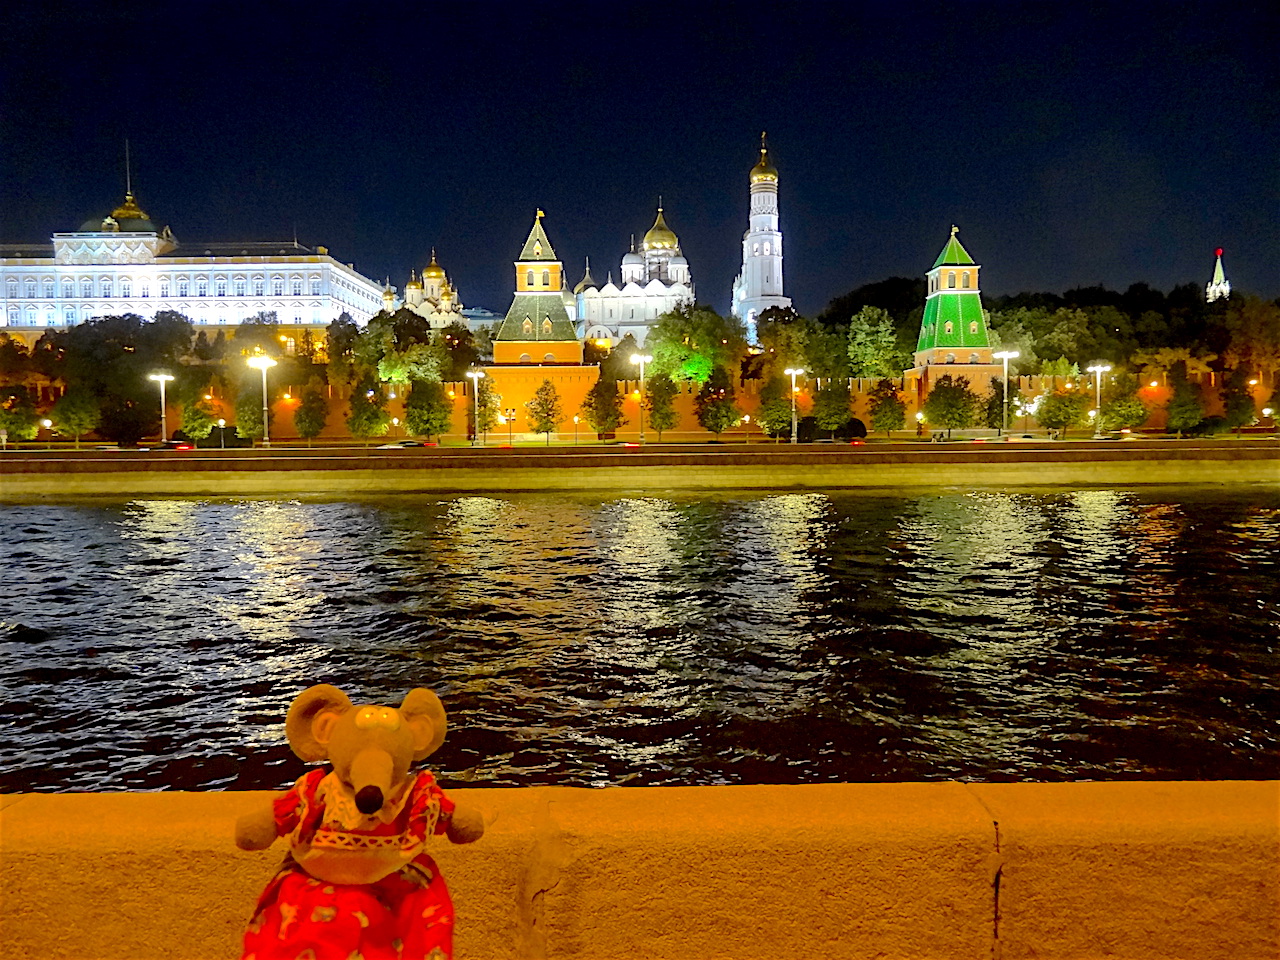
(748, 638)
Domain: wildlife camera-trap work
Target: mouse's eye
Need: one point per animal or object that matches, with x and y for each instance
(384, 717)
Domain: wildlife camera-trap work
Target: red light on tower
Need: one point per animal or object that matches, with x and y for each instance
(1218, 252)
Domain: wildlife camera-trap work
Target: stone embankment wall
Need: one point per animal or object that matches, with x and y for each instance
(912, 870)
(665, 468)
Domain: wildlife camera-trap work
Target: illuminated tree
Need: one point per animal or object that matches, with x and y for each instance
(311, 415)
(602, 408)
(831, 406)
(545, 410)
(774, 414)
(1063, 409)
(1184, 409)
(688, 342)
(76, 413)
(367, 415)
(659, 403)
(428, 411)
(873, 345)
(951, 405)
(1237, 402)
(888, 412)
(18, 417)
(714, 404)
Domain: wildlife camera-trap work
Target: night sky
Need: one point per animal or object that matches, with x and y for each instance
(1073, 143)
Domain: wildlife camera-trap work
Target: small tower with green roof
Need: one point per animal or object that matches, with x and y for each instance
(537, 328)
(954, 327)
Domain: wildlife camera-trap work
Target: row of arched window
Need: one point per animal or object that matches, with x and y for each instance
(86, 287)
(529, 278)
(50, 316)
(964, 277)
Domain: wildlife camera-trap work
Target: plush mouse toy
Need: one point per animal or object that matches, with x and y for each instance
(357, 882)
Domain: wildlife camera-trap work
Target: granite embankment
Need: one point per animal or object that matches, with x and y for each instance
(908, 870)
(356, 471)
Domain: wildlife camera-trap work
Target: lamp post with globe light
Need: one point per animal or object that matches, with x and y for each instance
(48, 428)
(511, 419)
(1098, 369)
(1005, 356)
(222, 433)
(641, 359)
(793, 372)
(162, 379)
(475, 376)
(1267, 412)
(263, 363)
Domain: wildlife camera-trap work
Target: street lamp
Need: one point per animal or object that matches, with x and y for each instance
(395, 422)
(1005, 356)
(222, 434)
(641, 359)
(162, 379)
(48, 426)
(1267, 412)
(476, 376)
(793, 373)
(1098, 369)
(575, 431)
(746, 418)
(511, 419)
(264, 364)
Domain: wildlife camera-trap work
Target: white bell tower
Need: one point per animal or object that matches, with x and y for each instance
(759, 286)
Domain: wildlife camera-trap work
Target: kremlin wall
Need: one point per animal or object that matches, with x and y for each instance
(123, 263)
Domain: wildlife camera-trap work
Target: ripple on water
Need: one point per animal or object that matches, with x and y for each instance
(730, 639)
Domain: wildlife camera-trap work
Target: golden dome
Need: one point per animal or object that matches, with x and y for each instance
(414, 283)
(433, 271)
(129, 210)
(660, 236)
(764, 171)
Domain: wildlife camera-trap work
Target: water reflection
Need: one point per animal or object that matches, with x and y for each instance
(748, 638)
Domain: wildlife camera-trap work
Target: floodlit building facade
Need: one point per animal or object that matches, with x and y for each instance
(759, 286)
(1219, 288)
(655, 279)
(123, 263)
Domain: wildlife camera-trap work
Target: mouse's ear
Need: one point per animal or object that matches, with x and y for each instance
(424, 713)
(311, 718)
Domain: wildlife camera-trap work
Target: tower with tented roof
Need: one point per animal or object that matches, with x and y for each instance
(954, 338)
(538, 328)
(1219, 288)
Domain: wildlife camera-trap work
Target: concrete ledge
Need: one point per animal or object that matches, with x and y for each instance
(1138, 870)
(316, 473)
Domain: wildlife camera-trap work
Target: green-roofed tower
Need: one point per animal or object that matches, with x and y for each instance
(537, 328)
(954, 327)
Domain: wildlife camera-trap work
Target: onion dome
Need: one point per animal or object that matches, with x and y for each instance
(414, 283)
(660, 236)
(632, 257)
(764, 171)
(433, 270)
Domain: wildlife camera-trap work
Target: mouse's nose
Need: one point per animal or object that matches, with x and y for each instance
(369, 800)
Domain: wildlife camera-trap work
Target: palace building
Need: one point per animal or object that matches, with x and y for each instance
(759, 286)
(655, 279)
(123, 263)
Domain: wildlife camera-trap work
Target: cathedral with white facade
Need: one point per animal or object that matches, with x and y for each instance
(124, 263)
(654, 279)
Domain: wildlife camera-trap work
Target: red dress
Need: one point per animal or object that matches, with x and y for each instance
(355, 887)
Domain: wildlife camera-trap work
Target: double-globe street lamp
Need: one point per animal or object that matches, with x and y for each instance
(162, 379)
(1098, 369)
(263, 363)
(641, 359)
(793, 373)
(1005, 356)
(475, 376)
